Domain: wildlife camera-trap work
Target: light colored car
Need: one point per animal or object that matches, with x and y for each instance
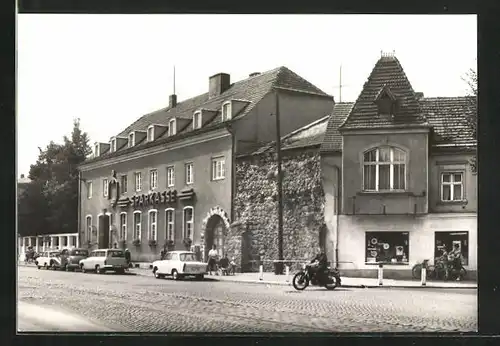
(49, 259)
(103, 260)
(179, 264)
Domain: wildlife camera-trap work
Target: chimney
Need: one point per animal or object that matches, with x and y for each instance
(254, 74)
(218, 83)
(419, 95)
(172, 101)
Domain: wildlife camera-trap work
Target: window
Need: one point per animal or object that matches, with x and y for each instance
(169, 217)
(197, 120)
(384, 169)
(152, 234)
(116, 253)
(131, 140)
(218, 168)
(123, 226)
(96, 150)
(447, 240)
(188, 257)
(189, 173)
(113, 145)
(88, 226)
(174, 257)
(153, 179)
(123, 183)
(387, 247)
(105, 190)
(170, 176)
(452, 186)
(151, 132)
(188, 222)
(89, 189)
(226, 111)
(171, 127)
(168, 256)
(137, 224)
(138, 181)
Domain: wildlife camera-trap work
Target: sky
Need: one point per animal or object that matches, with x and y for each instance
(108, 70)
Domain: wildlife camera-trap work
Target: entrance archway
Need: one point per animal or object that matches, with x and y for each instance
(103, 238)
(214, 228)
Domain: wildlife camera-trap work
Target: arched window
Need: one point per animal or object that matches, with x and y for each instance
(153, 221)
(384, 169)
(188, 222)
(170, 223)
(137, 224)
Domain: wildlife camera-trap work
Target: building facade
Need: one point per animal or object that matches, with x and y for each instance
(168, 179)
(399, 183)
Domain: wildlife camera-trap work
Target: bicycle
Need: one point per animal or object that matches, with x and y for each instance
(416, 271)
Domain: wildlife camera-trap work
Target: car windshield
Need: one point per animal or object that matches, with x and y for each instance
(79, 253)
(188, 257)
(116, 253)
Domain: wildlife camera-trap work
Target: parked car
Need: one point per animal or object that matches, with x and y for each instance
(71, 259)
(49, 259)
(103, 260)
(179, 264)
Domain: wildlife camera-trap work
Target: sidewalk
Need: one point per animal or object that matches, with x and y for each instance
(349, 282)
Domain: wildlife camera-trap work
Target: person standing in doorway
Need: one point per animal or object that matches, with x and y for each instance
(455, 257)
(212, 259)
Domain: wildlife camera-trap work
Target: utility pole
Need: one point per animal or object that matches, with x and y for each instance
(340, 84)
(279, 267)
(174, 79)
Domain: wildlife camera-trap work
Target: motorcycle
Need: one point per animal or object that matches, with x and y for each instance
(330, 279)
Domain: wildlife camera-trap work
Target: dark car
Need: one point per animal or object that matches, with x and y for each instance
(70, 258)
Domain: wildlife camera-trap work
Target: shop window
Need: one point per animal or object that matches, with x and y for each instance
(446, 240)
(387, 247)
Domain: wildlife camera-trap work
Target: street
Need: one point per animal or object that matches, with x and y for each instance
(73, 301)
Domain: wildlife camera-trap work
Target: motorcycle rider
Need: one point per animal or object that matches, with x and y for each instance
(322, 263)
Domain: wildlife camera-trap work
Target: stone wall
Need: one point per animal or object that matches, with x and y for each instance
(256, 208)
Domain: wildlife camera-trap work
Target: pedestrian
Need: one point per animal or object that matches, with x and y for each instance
(127, 258)
(212, 260)
(455, 258)
(115, 246)
(162, 254)
(224, 264)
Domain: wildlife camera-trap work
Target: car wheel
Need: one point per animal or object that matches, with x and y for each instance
(200, 277)
(120, 271)
(158, 275)
(82, 269)
(45, 266)
(175, 275)
(66, 267)
(98, 269)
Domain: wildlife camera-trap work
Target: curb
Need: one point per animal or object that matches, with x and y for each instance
(142, 272)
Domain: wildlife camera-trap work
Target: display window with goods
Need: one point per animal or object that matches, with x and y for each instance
(447, 240)
(387, 247)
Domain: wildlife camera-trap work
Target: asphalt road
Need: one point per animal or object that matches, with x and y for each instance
(136, 303)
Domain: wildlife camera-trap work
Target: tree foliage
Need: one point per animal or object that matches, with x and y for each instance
(49, 203)
(471, 80)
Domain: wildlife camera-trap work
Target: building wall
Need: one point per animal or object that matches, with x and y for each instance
(208, 193)
(414, 200)
(452, 162)
(421, 229)
(257, 209)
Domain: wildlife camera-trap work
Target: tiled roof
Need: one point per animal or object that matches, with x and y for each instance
(252, 89)
(449, 118)
(387, 73)
(310, 135)
(333, 139)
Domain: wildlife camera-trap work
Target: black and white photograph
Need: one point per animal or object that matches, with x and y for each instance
(246, 173)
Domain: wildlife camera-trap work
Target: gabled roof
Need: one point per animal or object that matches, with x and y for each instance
(333, 139)
(252, 89)
(450, 118)
(387, 74)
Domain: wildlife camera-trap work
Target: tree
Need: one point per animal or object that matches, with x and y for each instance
(50, 202)
(471, 116)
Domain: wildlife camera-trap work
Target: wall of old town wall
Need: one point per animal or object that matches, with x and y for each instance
(254, 232)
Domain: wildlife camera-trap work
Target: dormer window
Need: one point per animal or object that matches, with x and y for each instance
(172, 127)
(96, 149)
(131, 140)
(113, 145)
(386, 101)
(226, 111)
(151, 133)
(197, 120)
